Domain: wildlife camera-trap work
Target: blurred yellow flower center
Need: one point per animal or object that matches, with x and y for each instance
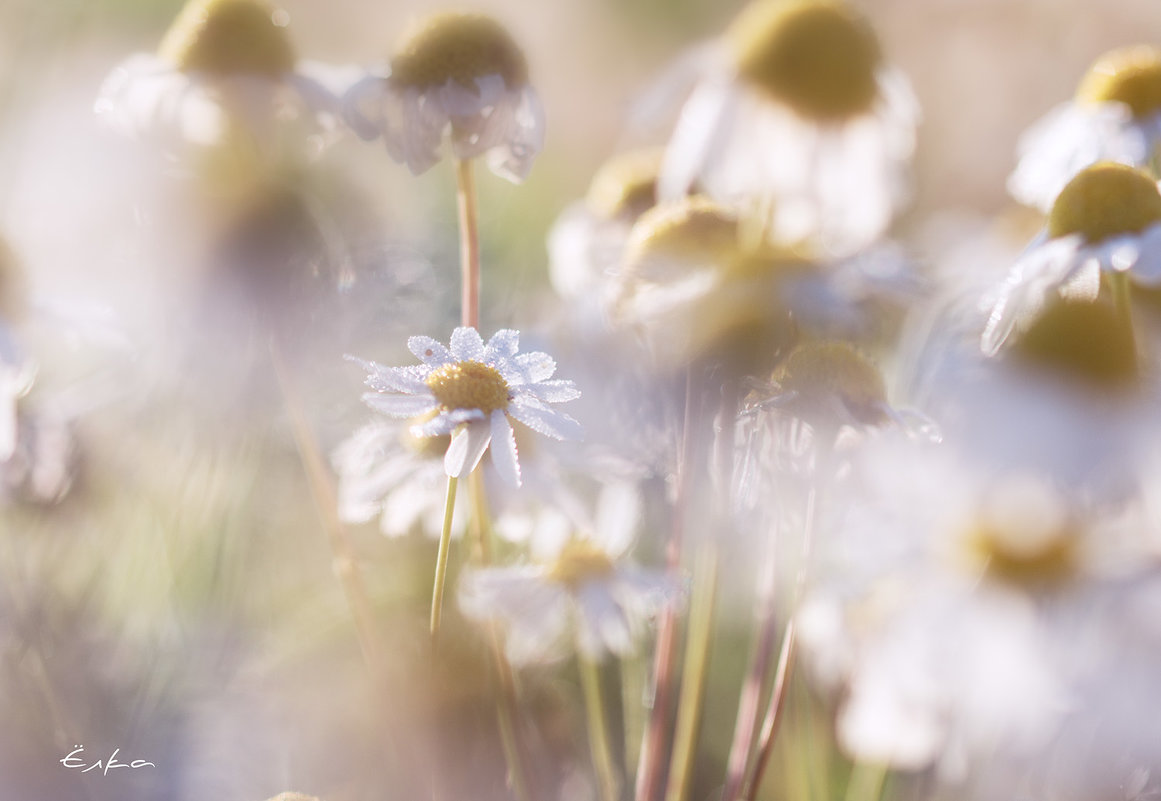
(460, 48)
(1129, 75)
(818, 370)
(226, 37)
(1084, 340)
(819, 57)
(693, 230)
(1105, 200)
(579, 562)
(469, 385)
(425, 447)
(1044, 557)
(1024, 533)
(626, 185)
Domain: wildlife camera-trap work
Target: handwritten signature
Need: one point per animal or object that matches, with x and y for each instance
(73, 760)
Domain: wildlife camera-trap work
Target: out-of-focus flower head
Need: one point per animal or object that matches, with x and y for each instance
(1105, 222)
(799, 117)
(580, 594)
(225, 92)
(454, 76)
(702, 285)
(587, 241)
(1115, 116)
(471, 389)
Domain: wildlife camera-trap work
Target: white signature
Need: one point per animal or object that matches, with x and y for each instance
(75, 761)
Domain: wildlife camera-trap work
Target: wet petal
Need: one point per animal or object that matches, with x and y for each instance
(467, 448)
(466, 344)
(400, 405)
(504, 455)
(543, 420)
(429, 351)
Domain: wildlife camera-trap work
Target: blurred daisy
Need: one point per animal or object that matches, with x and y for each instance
(471, 389)
(454, 75)
(699, 287)
(1115, 116)
(1104, 225)
(580, 591)
(798, 114)
(225, 80)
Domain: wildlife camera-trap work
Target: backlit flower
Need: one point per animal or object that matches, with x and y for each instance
(470, 390)
(1115, 116)
(799, 116)
(459, 77)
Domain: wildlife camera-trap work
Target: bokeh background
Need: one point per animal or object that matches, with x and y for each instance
(180, 604)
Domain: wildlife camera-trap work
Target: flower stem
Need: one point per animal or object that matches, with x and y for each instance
(326, 503)
(441, 559)
(866, 782)
(602, 752)
(469, 244)
(694, 671)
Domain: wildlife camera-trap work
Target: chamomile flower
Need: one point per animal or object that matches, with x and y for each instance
(1115, 116)
(1105, 222)
(471, 389)
(580, 587)
(225, 80)
(459, 77)
(799, 115)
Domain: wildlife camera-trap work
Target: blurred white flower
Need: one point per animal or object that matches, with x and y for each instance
(471, 389)
(1115, 116)
(797, 114)
(581, 593)
(225, 83)
(455, 74)
(1106, 220)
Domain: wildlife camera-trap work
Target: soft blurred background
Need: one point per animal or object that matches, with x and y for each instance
(180, 603)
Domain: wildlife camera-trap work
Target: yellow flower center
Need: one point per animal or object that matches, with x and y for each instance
(226, 37)
(579, 562)
(1129, 75)
(469, 385)
(461, 48)
(818, 370)
(692, 230)
(1024, 534)
(425, 447)
(819, 57)
(626, 185)
(1084, 340)
(1105, 200)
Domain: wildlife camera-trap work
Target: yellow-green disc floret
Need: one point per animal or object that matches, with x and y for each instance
(1105, 200)
(461, 48)
(224, 37)
(1129, 75)
(469, 385)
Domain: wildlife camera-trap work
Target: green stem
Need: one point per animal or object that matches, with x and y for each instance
(469, 244)
(694, 672)
(866, 782)
(602, 752)
(441, 560)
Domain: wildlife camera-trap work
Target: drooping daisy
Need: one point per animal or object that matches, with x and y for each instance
(1105, 223)
(580, 593)
(459, 77)
(225, 80)
(799, 115)
(1115, 116)
(472, 389)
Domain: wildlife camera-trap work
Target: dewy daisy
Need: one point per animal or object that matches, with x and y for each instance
(1115, 116)
(473, 389)
(225, 75)
(460, 75)
(1105, 223)
(798, 115)
(581, 587)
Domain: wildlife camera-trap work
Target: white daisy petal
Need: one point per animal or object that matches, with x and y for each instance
(391, 379)
(502, 345)
(504, 455)
(400, 405)
(466, 344)
(467, 448)
(533, 368)
(429, 351)
(446, 422)
(543, 420)
(557, 391)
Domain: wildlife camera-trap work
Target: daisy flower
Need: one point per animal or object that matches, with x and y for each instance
(1115, 116)
(1106, 223)
(458, 76)
(471, 389)
(798, 114)
(225, 79)
(579, 587)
